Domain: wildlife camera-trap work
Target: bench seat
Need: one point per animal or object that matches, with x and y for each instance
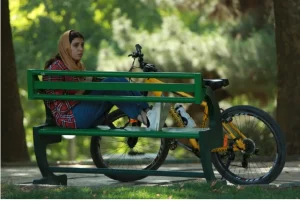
(129, 131)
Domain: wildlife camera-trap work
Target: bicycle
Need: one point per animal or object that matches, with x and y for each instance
(246, 145)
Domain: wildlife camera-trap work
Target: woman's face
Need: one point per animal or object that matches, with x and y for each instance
(77, 48)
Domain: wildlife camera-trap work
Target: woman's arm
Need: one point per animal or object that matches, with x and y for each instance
(54, 79)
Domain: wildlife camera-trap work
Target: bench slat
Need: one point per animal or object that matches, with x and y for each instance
(175, 75)
(129, 131)
(116, 98)
(127, 172)
(114, 85)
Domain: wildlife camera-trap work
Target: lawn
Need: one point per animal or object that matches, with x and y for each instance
(187, 190)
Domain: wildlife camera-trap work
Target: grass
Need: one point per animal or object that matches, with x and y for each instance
(188, 190)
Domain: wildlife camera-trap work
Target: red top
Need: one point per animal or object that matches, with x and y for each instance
(61, 109)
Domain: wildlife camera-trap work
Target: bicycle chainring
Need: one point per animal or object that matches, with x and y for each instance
(173, 144)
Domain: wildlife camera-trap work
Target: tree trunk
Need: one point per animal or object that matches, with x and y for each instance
(287, 20)
(13, 142)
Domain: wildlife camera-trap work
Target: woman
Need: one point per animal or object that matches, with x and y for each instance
(87, 114)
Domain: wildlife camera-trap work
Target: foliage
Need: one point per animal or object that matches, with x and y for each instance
(174, 47)
(37, 26)
(188, 190)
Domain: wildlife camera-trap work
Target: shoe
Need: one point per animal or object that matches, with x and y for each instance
(157, 115)
(155, 118)
(143, 118)
(186, 118)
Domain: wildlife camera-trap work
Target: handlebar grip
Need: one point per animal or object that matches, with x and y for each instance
(138, 48)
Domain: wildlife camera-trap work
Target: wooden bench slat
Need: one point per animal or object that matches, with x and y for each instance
(129, 131)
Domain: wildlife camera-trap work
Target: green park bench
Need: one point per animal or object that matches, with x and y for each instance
(48, 133)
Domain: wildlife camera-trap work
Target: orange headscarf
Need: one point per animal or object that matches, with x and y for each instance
(64, 48)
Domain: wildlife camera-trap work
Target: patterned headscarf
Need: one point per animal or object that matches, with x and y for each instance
(64, 48)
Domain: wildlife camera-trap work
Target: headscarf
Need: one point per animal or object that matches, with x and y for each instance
(64, 48)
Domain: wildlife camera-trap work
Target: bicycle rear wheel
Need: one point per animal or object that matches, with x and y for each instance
(127, 152)
(264, 157)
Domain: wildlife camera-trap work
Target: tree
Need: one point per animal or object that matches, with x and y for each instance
(287, 20)
(13, 143)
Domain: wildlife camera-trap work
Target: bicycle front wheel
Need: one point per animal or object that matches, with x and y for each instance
(139, 153)
(263, 158)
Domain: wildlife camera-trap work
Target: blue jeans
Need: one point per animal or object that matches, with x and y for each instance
(88, 113)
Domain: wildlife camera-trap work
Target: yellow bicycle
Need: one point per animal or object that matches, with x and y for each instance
(253, 150)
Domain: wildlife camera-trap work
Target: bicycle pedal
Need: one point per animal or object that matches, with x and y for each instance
(173, 145)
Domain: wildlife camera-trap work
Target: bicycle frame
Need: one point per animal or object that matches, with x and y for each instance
(229, 127)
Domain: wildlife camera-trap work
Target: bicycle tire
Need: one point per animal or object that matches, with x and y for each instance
(253, 173)
(121, 156)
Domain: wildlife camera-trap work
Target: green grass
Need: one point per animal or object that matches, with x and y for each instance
(189, 190)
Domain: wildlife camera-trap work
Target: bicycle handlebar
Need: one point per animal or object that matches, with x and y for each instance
(137, 53)
(138, 48)
(143, 65)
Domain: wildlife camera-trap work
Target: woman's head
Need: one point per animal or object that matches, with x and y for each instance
(71, 48)
(77, 45)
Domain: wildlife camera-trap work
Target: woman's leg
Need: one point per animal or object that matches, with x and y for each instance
(88, 113)
(132, 109)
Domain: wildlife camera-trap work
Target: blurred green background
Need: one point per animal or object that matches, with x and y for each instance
(232, 39)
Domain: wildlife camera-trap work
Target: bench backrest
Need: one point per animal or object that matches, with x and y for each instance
(36, 86)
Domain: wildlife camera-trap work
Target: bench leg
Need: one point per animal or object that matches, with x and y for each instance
(212, 138)
(206, 157)
(40, 143)
(52, 180)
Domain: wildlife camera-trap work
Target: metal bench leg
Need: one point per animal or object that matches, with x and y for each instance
(40, 143)
(212, 138)
(206, 156)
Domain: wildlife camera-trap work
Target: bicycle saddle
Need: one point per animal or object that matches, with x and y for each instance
(216, 83)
